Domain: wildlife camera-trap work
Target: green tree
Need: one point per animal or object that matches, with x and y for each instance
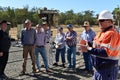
(88, 16)
(61, 18)
(116, 13)
(11, 16)
(21, 15)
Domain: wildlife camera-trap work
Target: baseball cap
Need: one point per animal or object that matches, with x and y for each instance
(69, 26)
(27, 21)
(38, 25)
(44, 22)
(60, 28)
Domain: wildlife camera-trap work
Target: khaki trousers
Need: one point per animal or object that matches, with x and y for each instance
(31, 50)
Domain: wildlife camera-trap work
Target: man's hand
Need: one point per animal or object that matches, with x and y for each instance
(83, 48)
(57, 46)
(67, 38)
(1, 54)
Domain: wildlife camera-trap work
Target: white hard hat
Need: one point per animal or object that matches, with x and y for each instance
(105, 14)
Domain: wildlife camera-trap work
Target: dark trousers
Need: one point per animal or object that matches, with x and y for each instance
(3, 62)
(58, 52)
(87, 60)
(106, 74)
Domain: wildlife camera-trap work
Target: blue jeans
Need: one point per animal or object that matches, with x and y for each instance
(42, 51)
(87, 59)
(71, 57)
(62, 51)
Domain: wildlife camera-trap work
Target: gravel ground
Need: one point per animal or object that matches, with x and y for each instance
(14, 67)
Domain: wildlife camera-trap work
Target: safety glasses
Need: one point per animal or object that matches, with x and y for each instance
(102, 20)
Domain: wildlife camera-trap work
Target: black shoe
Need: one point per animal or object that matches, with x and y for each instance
(4, 77)
(42, 66)
(84, 69)
(22, 73)
(55, 64)
(63, 65)
(90, 71)
(47, 70)
(74, 70)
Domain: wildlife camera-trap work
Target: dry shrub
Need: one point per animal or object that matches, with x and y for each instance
(77, 29)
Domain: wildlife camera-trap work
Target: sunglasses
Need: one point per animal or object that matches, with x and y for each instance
(102, 20)
(86, 26)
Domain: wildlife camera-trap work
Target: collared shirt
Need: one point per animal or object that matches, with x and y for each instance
(60, 39)
(73, 40)
(28, 37)
(40, 39)
(88, 35)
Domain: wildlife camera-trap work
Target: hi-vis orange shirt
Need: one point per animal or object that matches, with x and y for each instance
(110, 41)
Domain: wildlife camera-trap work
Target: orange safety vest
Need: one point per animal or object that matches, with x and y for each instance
(110, 41)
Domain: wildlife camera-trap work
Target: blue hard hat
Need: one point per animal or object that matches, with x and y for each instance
(69, 26)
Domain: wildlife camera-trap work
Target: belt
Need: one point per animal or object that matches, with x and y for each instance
(39, 46)
(28, 45)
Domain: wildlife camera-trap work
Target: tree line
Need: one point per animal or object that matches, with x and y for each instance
(18, 16)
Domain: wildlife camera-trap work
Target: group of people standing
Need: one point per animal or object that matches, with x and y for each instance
(66, 42)
(36, 41)
(100, 52)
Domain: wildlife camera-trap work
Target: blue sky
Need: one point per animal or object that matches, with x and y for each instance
(64, 5)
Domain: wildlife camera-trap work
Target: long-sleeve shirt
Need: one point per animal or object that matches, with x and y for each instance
(73, 38)
(60, 39)
(40, 39)
(28, 37)
(100, 57)
(4, 41)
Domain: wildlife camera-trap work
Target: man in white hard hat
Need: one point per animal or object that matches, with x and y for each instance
(105, 49)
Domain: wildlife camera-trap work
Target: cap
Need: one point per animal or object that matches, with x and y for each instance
(44, 22)
(27, 21)
(60, 28)
(86, 23)
(69, 26)
(4, 21)
(105, 14)
(38, 25)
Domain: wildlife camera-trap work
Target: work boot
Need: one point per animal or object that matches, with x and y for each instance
(47, 70)
(63, 65)
(55, 64)
(22, 73)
